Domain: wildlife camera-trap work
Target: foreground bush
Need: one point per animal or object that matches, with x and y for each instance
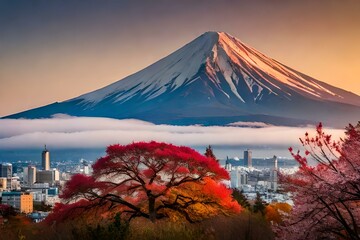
(245, 226)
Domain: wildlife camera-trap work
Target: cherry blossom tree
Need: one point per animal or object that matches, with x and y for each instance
(326, 194)
(151, 180)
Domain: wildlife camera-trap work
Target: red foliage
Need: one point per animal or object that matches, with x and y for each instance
(327, 195)
(6, 210)
(139, 179)
(81, 183)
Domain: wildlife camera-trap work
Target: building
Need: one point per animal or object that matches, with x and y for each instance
(228, 164)
(248, 158)
(6, 170)
(19, 200)
(85, 168)
(273, 175)
(13, 183)
(48, 176)
(3, 184)
(45, 162)
(38, 216)
(39, 191)
(238, 177)
(29, 176)
(43, 193)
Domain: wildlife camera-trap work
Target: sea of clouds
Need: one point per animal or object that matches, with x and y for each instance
(63, 131)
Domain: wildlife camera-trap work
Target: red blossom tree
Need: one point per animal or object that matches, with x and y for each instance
(326, 195)
(151, 180)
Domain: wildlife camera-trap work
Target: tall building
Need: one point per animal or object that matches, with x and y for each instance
(238, 178)
(29, 176)
(19, 200)
(228, 164)
(6, 170)
(45, 163)
(247, 158)
(273, 175)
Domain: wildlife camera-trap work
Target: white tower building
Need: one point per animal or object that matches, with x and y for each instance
(45, 163)
(31, 175)
(274, 177)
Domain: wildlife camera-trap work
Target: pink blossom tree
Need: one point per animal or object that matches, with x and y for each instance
(150, 180)
(326, 195)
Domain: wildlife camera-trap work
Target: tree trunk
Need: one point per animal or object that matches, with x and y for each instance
(152, 213)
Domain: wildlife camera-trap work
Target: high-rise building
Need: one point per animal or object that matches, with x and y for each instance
(273, 175)
(227, 164)
(45, 163)
(6, 170)
(247, 158)
(238, 178)
(29, 176)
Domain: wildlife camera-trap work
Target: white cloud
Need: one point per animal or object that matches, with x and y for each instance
(85, 132)
(249, 124)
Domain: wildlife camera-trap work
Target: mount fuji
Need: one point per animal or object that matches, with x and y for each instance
(214, 80)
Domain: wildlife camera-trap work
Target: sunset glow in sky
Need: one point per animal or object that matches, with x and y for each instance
(55, 50)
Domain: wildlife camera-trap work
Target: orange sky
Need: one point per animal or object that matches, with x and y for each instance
(53, 51)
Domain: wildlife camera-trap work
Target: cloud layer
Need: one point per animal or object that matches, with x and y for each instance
(85, 132)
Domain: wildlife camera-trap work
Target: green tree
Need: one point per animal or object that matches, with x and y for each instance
(259, 205)
(209, 153)
(241, 198)
(117, 229)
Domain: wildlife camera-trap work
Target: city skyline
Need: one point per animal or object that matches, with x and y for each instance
(59, 50)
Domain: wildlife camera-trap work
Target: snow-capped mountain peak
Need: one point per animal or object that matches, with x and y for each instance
(215, 79)
(219, 52)
(232, 51)
(170, 72)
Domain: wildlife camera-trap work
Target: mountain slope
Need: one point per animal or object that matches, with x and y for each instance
(215, 79)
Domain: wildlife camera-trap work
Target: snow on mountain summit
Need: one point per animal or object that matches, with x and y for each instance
(258, 69)
(219, 52)
(214, 79)
(169, 72)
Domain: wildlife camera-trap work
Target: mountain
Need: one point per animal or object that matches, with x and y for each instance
(214, 80)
